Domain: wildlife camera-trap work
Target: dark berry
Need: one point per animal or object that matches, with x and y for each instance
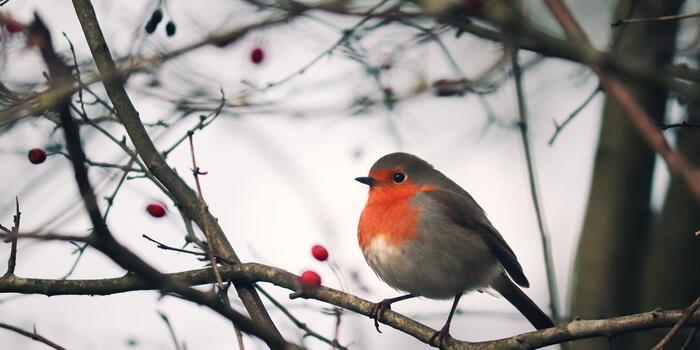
(13, 26)
(36, 155)
(151, 27)
(257, 55)
(156, 16)
(170, 28)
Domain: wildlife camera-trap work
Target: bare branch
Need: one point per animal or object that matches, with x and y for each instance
(103, 240)
(33, 335)
(44, 236)
(167, 247)
(675, 161)
(620, 22)
(687, 314)
(558, 127)
(253, 272)
(183, 194)
(683, 124)
(534, 188)
(301, 325)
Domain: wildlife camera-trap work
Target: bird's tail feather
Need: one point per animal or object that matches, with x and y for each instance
(522, 302)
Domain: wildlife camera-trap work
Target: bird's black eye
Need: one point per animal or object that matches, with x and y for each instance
(399, 177)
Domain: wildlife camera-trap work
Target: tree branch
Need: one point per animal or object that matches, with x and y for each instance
(687, 314)
(253, 272)
(620, 22)
(186, 198)
(534, 187)
(675, 161)
(101, 238)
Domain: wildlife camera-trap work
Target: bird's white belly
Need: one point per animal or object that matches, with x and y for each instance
(428, 270)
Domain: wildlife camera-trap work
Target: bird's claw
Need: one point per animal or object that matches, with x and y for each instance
(440, 335)
(377, 312)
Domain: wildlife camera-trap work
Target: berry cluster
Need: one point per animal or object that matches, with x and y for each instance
(156, 18)
(310, 277)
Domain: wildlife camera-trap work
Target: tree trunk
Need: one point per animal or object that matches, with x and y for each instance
(615, 234)
(671, 277)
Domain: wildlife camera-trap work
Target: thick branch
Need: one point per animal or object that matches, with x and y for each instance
(186, 198)
(252, 272)
(101, 238)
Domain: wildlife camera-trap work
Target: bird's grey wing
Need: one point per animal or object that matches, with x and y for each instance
(463, 209)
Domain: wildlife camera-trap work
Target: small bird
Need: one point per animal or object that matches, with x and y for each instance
(423, 234)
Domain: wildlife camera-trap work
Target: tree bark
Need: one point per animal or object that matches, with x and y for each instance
(615, 232)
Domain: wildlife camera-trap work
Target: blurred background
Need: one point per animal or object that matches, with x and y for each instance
(307, 110)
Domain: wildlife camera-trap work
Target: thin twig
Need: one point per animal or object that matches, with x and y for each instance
(46, 99)
(620, 22)
(239, 338)
(301, 325)
(534, 188)
(33, 335)
(690, 338)
(44, 236)
(687, 314)
(683, 124)
(558, 127)
(346, 34)
(166, 320)
(195, 173)
(204, 121)
(209, 250)
(167, 247)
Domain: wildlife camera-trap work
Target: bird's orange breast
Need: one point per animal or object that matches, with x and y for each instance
(391, 214)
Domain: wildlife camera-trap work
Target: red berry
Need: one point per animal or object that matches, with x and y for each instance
(13, 26)
(319, 252)
(257, 55)
(157, 210)
(310, 278)
(36, 155)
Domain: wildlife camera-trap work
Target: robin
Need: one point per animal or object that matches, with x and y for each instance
(423, 234)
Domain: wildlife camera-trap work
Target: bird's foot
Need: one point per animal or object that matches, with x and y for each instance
(378, 311)
(440, 336)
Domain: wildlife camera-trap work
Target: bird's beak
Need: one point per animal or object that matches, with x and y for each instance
(365, 180)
